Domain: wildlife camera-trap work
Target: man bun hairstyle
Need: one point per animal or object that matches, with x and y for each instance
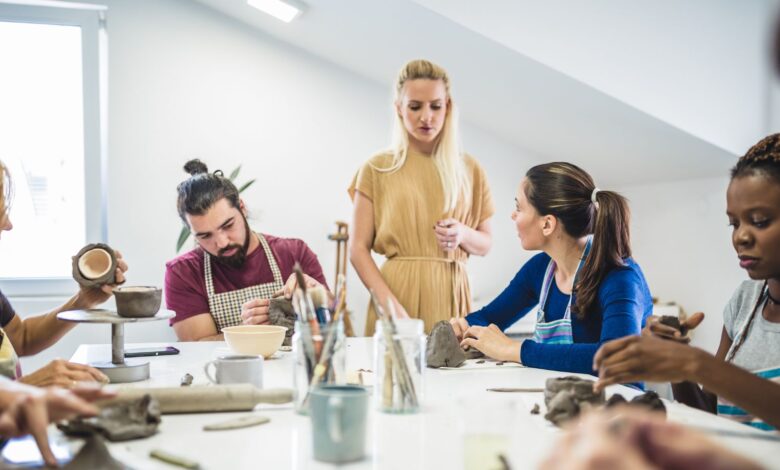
(568, 193)
(202, 190)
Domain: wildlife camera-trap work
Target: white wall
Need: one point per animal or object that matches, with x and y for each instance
(186, 82)
(700, 65)
(682, 240)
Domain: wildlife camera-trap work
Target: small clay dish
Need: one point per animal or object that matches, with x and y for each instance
(137, 301)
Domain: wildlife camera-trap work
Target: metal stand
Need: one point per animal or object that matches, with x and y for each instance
(118, 370)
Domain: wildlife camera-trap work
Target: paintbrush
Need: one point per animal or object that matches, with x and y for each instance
(396, 352)
(307, 341)
(320, 298)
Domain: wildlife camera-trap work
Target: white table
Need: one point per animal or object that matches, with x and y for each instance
(430, 439)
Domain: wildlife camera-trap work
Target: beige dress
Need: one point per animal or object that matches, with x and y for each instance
(430, 283)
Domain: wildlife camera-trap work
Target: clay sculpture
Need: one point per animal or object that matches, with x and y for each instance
(648, 400)
(281, 313)
(137, 301)
(674, 322)
(120, 421)
(95, 265)
(443, 348)
(566, 397)
(94, 454)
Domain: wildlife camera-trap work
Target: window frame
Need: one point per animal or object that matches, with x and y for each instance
(91, 19)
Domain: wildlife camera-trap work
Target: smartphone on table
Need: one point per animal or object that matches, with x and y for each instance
(155, 351)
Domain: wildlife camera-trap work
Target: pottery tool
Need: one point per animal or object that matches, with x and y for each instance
(205, 399)
(515, 390)
(237, 423)
(319, 297)
(307, 340)
(309, 313)
(172, 459)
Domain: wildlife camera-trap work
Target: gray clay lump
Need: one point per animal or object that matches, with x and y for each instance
(674, 322)
(443, 348)
(120, 421)
(566, 397)
(281, 313)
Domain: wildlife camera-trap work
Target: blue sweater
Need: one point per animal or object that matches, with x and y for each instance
(623, 304)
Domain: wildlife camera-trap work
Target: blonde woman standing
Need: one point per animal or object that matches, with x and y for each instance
(424, 204)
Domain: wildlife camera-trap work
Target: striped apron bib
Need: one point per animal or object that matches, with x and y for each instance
(557, 331)
(226, 307)
(728, 409)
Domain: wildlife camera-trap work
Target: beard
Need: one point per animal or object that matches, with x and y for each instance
(237, 259)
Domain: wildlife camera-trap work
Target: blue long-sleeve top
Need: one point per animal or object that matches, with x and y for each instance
(622, 306)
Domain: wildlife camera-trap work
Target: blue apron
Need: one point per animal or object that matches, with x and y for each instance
(557, 331)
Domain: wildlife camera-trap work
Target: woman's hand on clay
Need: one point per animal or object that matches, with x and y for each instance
(292, 284)
(492, 342)
(654, 327)
(29, 410)
(64, 374)
(90, 297)
(624, 438)
(449, 234)
(644, 358)
(255, 312)
(459, 326)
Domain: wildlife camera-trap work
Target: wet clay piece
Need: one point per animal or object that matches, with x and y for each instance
(281, 313)
(535, 409)
(120, 421)
(95, 265)
(94, 454)
(648, 400)
(443, 348)
(137, 301)
(674, 322)
(566, 397)
(473, 353)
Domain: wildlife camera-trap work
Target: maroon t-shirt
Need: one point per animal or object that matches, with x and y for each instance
(185, 278)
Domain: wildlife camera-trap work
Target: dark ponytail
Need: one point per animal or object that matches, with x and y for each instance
(568, 193)
(202, 190)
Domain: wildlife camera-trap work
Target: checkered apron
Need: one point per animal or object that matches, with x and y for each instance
(226, 307)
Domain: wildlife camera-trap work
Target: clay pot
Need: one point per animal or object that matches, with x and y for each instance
(254, 340)
(137, 301)
(95, 265)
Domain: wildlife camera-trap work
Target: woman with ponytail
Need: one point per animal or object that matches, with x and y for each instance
(742, 380)
(587, 287)
(423, 203)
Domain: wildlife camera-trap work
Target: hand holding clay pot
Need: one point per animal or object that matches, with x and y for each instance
(255, 312)
(668, 328)
(626, 438)
(644, 358)
(97, 268)
(63, 374)
(459, 326)
(29, 410)
(492, 342)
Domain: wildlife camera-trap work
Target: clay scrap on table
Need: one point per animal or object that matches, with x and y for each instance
(95, 454)
(95, 265)
(674, 322)
(281, 313)
(566, 397)
(648, 400)
(119, 421)
(443, 348)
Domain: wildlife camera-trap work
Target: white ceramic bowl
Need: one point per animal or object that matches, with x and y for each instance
(255, 340)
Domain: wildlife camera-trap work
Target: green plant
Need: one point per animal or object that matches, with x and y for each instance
(185, 231)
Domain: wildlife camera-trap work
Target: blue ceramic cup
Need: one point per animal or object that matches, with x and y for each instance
(338, 422)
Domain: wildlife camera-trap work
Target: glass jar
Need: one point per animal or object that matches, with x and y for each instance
(308, 349)
(399, 362)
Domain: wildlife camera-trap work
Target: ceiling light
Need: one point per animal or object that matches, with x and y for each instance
(285, 10)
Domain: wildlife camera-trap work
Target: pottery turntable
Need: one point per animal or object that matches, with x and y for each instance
(119, 369)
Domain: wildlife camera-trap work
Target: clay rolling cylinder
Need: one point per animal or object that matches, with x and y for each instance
(95, 265)
(207, 399)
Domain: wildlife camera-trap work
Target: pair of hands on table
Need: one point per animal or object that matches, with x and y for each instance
(490, 340)
(61, 373)
(29, 410)
(625, 438)
(255, 311)
(660, 354)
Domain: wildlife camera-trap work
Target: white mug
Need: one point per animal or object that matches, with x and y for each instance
(236, 370)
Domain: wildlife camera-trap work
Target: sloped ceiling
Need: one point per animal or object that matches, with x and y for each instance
(518, 99)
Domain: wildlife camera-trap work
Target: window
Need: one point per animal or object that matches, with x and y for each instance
(52, 124)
